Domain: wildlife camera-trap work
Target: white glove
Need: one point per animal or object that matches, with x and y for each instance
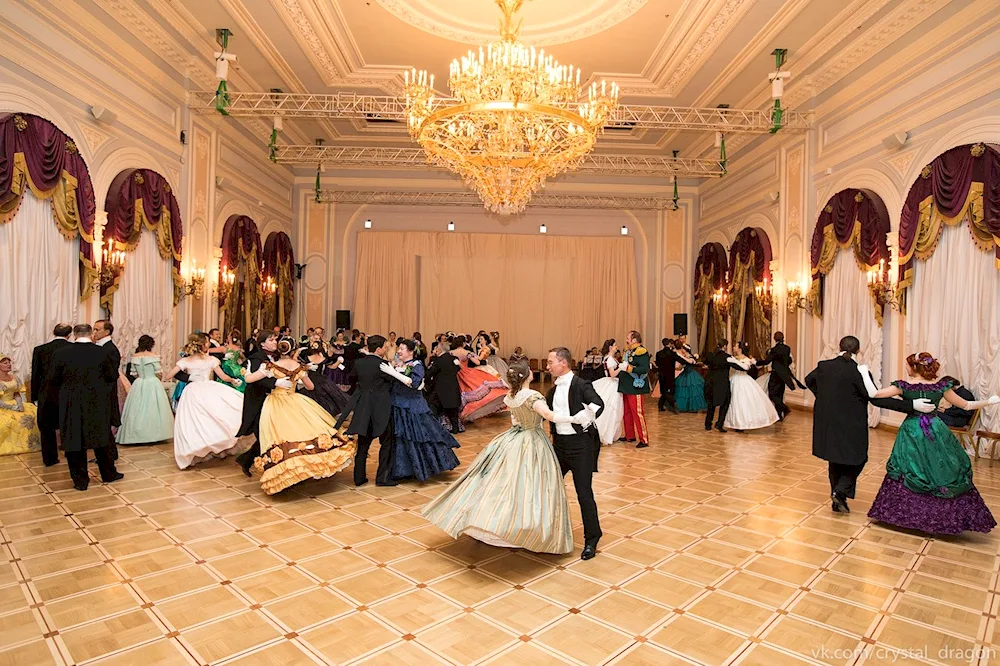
(866, 378)
(993, 399)
(391, 371)
(284, 383)
(924, 406)
(312, 366)
(583, 418)
(979, 404)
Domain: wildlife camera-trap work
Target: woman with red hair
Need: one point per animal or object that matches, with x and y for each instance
(928, 481)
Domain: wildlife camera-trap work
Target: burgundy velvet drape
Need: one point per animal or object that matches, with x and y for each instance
(948, 180)
(49, 155)
(711, 261)
(845, 210)
(142, 189)
(747, 241)
(279, 262)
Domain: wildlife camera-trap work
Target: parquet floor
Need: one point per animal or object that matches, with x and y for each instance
(718, 549)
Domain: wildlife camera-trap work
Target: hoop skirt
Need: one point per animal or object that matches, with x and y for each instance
(513, 494)
(689, 390)
(299, 441)
(610, 424)
(146, 417)
(928, 481)
(482, 393)
(208, 416)
(18, 430)
(749, 407)
(423, 446)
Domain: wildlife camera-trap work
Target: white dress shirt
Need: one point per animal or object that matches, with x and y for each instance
(103, 341)
(560, 403)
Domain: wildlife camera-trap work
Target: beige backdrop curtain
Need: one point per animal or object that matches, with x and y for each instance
(538, 291)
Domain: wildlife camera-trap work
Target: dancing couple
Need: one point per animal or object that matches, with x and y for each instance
(513, 494)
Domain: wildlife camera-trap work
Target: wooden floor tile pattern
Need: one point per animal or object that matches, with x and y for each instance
(718, 549)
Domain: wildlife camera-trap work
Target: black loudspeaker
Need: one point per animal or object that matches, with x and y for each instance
(681, 324)
(343, 318)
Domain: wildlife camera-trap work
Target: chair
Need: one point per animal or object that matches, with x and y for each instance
(993, 439)
(964, 435)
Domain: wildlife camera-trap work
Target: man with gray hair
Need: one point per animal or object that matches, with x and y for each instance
(576, 446)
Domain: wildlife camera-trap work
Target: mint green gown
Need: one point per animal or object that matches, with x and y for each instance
(146, 417)
(232, 367)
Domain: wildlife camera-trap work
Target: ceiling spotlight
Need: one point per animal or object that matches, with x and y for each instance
(624, 230)
(368, 224)
(451, 226)
(543, 229)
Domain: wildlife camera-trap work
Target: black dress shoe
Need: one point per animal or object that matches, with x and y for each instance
(80, 486)
(721, 429)
(708, 427)
(642, 445)
(117, 477)
(361, 483)
(622, 439)
(589, 550)
(50, 464)
(836, 509)
(840, 504)
(386, 483)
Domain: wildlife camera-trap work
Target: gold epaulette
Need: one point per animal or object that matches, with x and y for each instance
(640, 350)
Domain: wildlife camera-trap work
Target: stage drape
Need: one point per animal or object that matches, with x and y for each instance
(142, 199)
(241, 253)
(851, 220)
(709, 275)
(39, 281)
(955, 315)
(538, 291)
(749, 266)
(849, 312)
(144, 302)
(962, 185)
(37, 155)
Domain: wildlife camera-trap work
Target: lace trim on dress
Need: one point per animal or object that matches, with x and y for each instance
(518, 398)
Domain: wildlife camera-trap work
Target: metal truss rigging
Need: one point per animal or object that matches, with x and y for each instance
(346, 105)
(541, 200)
(413, 158)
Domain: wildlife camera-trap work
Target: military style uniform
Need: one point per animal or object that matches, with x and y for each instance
(633, 384)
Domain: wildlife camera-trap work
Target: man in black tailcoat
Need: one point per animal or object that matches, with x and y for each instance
(577, 445)
(445, 393)
(103, 330)
(840, 419)
(779, 357)
(665, 361)
(371, 403)
(254, 396)
(717, 387)
(85, 375)
(46, 394)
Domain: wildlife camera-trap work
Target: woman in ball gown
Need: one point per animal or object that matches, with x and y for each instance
(324, 393)
(208, 413)
(298, 438)
(513, 494)
(487, 347)
(689, 387)
(749, 406)
(423, 447)
(233, 360)
(610, 424)
(18, 417)
(482, 392)
(147, 417)
(928, 478)
(337, 372)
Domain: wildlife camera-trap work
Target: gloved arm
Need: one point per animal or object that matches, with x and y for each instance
(284, 382)
(392, 372)
(959, 401)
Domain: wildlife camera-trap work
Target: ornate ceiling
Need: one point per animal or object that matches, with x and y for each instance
(661, 52)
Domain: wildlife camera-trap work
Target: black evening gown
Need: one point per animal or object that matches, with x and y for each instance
(326, 393)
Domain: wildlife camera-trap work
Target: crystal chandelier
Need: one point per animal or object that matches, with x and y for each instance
(516, 118)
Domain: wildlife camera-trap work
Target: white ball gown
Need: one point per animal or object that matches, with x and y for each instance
(610, 424)
(749, 406)
(208, 416)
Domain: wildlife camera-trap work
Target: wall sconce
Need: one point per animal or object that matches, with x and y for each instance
(451, 226)
(883, 287)
(268, 288)
(721, 300)
(227, 279)
(194, 280)
(765, 293)
(111, 261)
(797, 296)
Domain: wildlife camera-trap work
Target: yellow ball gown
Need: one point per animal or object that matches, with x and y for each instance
(18, 430)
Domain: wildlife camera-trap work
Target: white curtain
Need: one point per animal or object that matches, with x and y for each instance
(848, 310)
(39, 281)
(144, 303)
(954, 313)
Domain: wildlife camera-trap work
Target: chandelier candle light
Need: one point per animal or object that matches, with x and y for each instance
(517, 118)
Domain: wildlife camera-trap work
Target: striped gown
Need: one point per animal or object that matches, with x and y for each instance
(513, 494)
